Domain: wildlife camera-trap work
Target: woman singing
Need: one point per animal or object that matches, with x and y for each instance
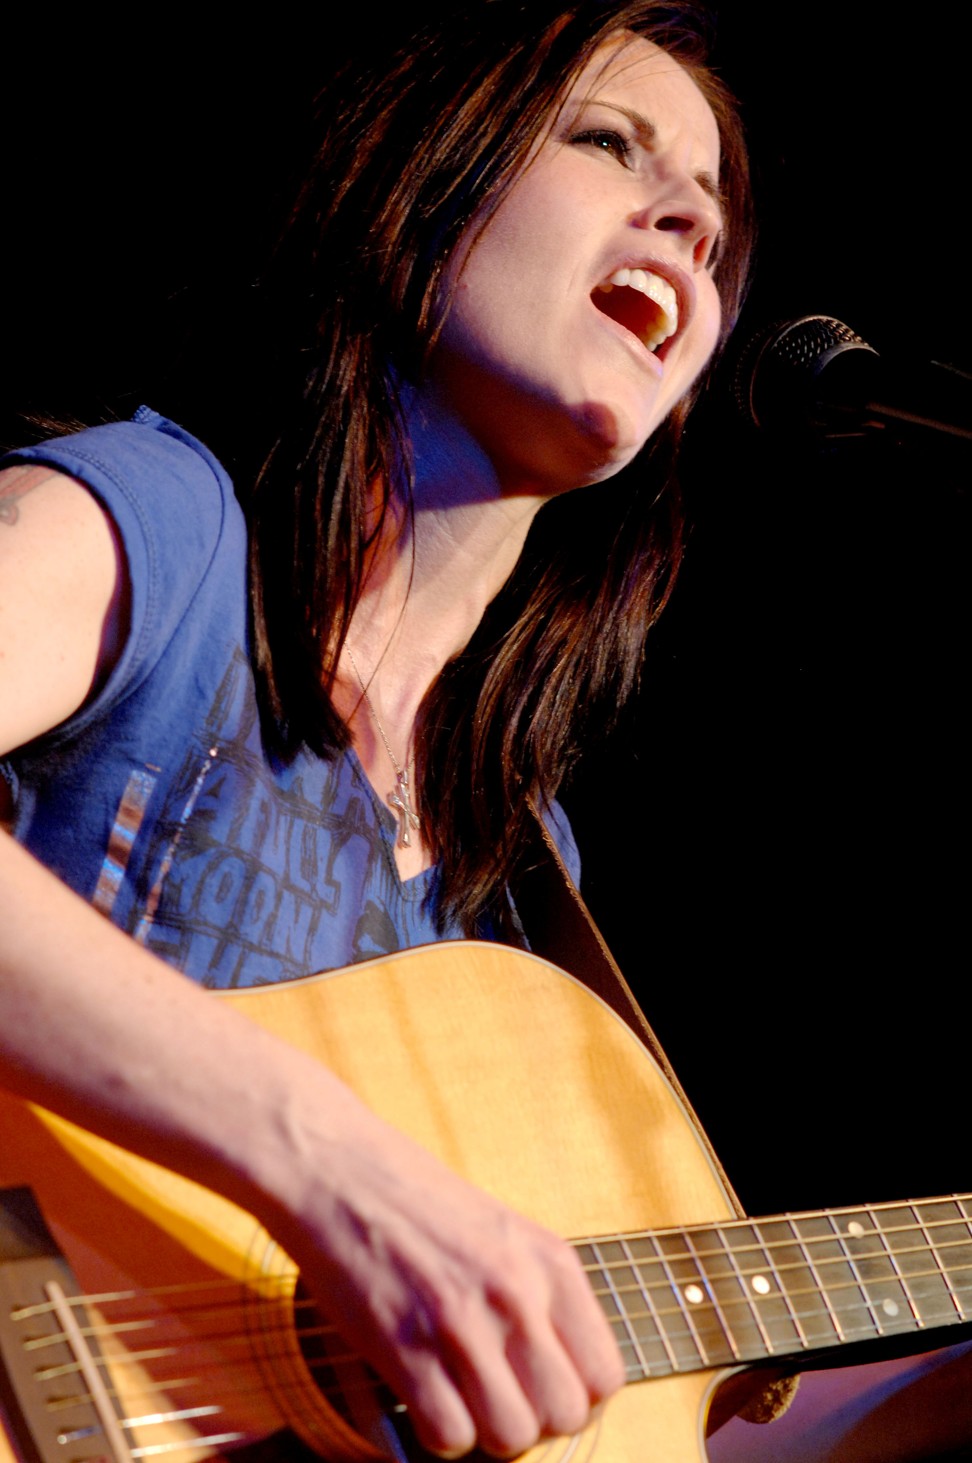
(523, 236)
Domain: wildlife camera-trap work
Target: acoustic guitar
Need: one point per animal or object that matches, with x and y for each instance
(142, 1317)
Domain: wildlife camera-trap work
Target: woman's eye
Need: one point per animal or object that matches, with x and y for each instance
(605, 140)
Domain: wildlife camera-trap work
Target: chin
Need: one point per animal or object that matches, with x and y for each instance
(611, 439)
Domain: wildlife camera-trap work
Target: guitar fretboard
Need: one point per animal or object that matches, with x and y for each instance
(716, 1295)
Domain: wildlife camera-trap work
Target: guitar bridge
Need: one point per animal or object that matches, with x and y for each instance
(50, 1413)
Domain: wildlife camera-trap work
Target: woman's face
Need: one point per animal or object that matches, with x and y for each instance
(585, 307)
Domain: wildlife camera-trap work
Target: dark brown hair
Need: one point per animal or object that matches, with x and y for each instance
(421, 133)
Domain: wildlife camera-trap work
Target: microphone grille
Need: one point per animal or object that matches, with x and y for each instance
(778, 365)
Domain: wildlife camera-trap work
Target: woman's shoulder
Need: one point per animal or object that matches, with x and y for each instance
(178, 537)
(170, 502)
(148, 470)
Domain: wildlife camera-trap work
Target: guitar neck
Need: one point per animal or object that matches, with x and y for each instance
(751, 1290)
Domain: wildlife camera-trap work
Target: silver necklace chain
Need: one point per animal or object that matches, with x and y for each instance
(400, 796)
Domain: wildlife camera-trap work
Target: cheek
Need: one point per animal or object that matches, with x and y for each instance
(504, 298)
(710, 306)
(707, 323)
(523, 242)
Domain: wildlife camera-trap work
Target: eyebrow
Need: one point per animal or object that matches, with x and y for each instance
(648, 132)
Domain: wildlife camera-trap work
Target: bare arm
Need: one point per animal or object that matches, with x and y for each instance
(483, 1323)
(62, 594)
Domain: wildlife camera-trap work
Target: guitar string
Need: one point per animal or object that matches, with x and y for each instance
(656, 1262)
(757, 1247)
(627, 1262)
(285, 1330)
(345, 1389)
(832, 1236)
(636, 1264)
(858, 1257)
(660, 1283)
(702, 1346)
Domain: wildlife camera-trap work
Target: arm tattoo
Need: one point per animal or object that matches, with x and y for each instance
(16, 483)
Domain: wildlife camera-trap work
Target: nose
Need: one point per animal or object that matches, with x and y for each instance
(684, 205)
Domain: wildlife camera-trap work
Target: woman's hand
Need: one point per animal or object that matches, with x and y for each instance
(483, 1323)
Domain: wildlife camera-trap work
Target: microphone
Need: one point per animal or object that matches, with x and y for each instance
(817, 375)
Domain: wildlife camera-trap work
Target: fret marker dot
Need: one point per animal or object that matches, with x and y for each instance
(694, 1294)
(761, 1285)
(889, 1307)
(855, 1229)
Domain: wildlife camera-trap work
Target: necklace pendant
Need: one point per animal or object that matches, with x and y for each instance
(407, 816)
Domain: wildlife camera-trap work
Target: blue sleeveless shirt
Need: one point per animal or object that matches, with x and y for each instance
(158, 801)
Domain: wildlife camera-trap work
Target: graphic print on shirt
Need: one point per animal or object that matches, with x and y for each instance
(266, 873)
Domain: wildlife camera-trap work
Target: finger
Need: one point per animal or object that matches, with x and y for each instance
(537, 1359)
(555, 1390)
(516, 1376)
(585, 1332)
(440, 1419)
(505, 1420)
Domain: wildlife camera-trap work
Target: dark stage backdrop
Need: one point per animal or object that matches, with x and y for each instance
(783, 867)
(775, 842)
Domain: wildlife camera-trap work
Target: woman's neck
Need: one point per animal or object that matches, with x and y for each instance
(432, 573)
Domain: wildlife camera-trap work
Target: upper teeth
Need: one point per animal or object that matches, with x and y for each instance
(658, 290)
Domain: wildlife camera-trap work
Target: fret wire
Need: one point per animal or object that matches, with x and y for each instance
(858, 1283)
(795, 1314)
(940, 1268)
(680, 1308)
(851, 1212)
(753, 1305)
(851, 1285)
(899, 1273)
(909, 1250)
(669, 1333)
(687, 1333)
(834, 1320)
(665, 1284)
(914, 1274)
(797, 1291)
(277, 1289)
(655, 1314)
(875, 1254)
(774, 1349)
(676, 1311)
(784, 1290)
(658, 1316)
(823, 1260)
(615, 1294)
(713, 1299)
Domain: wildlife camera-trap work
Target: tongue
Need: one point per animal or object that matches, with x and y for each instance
(631, 309)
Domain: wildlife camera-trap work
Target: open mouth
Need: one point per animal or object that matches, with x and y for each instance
(642, 302)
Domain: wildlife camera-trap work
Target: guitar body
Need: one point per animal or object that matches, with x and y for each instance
(511, 1072)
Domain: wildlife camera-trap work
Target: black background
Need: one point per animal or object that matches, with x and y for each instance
(786, 885)
(775, 843)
